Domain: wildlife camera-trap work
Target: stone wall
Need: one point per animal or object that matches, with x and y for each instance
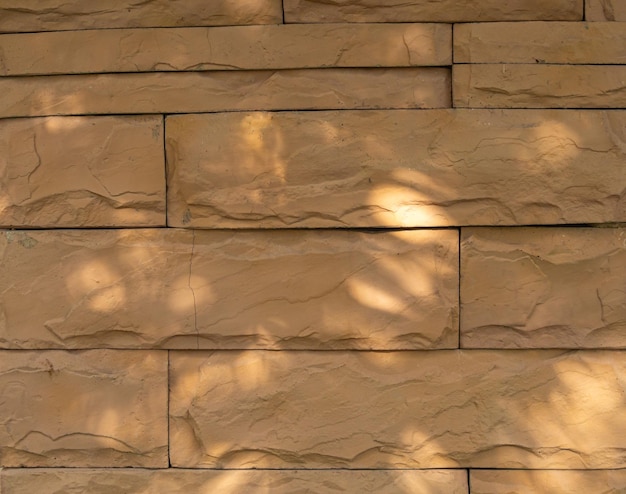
(313, 246)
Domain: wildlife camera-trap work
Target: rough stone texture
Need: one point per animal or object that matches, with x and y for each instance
(539, 86)
(543, 288)
(53, 15)
(429, 11)
(494, 409)
(82, 171)
(605, 10)
(182, 289)
(541, 42)
(95, 408)
(116, 288)
(178, 481)
(224, 48)
(396, 168)
(217, 91)
(547, 482)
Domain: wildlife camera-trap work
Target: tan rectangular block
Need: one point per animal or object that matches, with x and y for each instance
(605, 10)
(540, 42)
(225, 48)
(82, 171)
(495, 409)
(539, 86)
(182, 289)
(193, 92)
(548, 481)
(52, 15)
(97, 408)
(543, 288)
(395, 168)
(179, 481)
(429, 11)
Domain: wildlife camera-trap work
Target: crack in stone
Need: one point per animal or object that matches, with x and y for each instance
(193, 293)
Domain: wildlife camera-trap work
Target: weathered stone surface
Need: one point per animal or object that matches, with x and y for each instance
(53, 15)
(548, 481)
(182, 289)
(605, 10)
(224, 48)
(193, 92)
(539, 86)
(180, 481)
(396, 168)
(97, 408)
(543, 288)
(102, 288)
(429, 11)
(540, 42)
(82, 171)
(496, 409)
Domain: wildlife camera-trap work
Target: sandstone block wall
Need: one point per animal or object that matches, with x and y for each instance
(308, 246)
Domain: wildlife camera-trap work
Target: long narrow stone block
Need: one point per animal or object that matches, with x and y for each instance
(52, 15)
(97, 408)
(543, 288)
(539, 86)
(182, 289)
(541, 42)
(193, 92)
(180, 481)
(429, 11)
(547, 481)
(486, 409)
(396, 168)
(605, 10)
(225, 48)
(82, 171)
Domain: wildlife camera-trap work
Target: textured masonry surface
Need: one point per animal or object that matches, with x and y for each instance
(308, 246)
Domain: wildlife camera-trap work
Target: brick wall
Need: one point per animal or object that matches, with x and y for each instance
(311, 246)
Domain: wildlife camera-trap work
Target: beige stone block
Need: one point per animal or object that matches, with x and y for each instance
(395, 168)
(429, 11)
(52, 15)
(543, 288)
(605, 10)
(548, 481)
(193, 92)
(179, 481)
(182, 289)
(539, 86)
(445, 409)
(540, 42)
(226, 48)
(97, 408)
(82, 171)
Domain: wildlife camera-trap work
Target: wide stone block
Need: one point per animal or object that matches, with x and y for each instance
(52, 15)
(395, 168)
(605, 10)
(548, 481)
(541, 42)
(543, 288)
(539, 86)
(182, 289)
(192, 92)
(226, 48)
(445, 409)
(82, 172)
(180, 481)
(428, 11)
(97, 408)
